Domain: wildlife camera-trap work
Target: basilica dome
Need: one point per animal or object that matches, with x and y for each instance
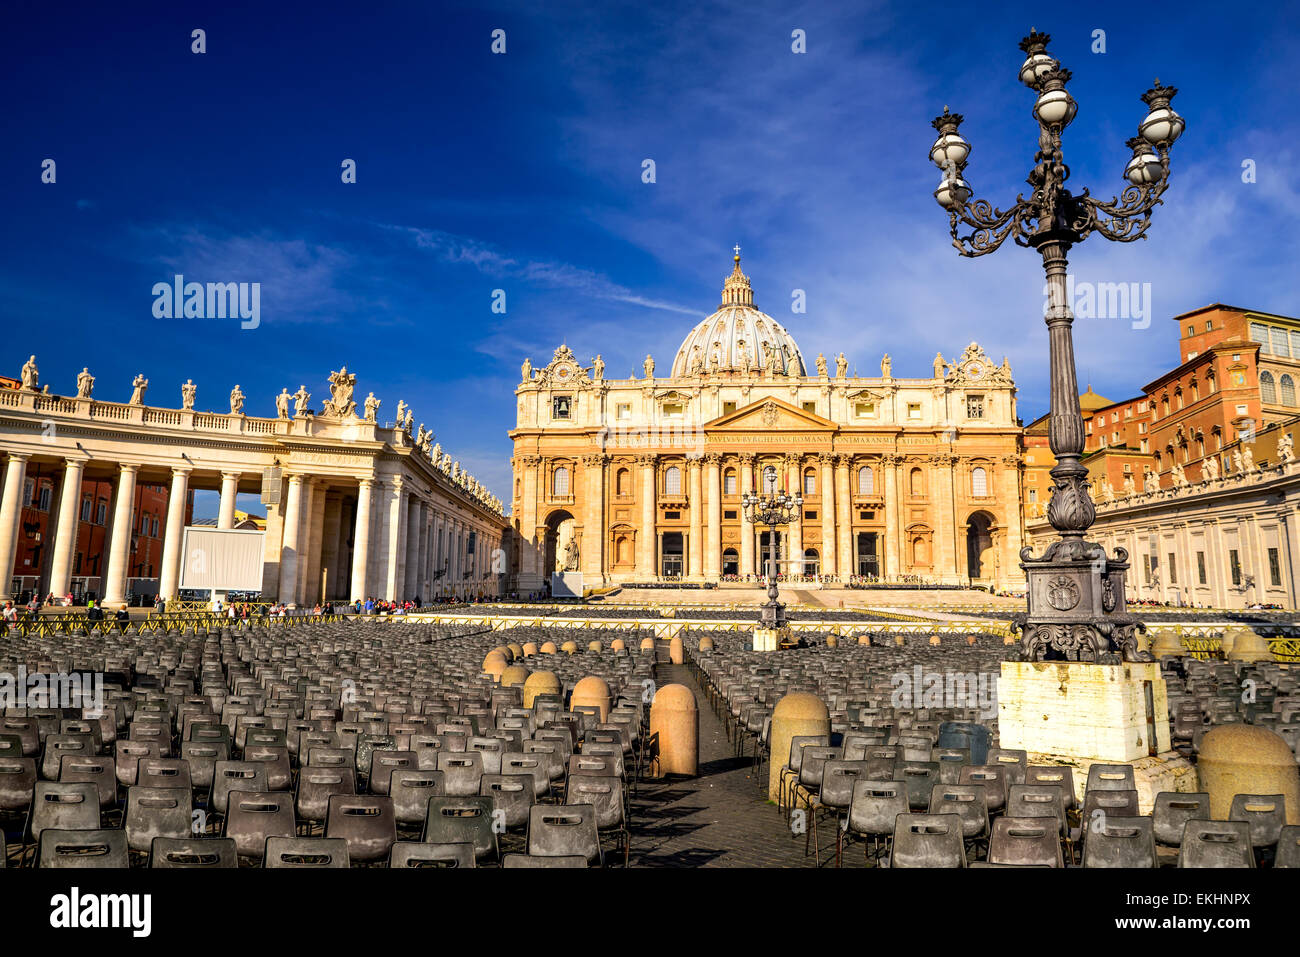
(738, 337)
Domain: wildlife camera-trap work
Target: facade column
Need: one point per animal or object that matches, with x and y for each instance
(646, 568)
(229, 489)
(11, 510)
(531, 558)
(174, 535)
(361, 540)
(119, 555)
(65, 539)
(747, 530)
(593, 520)
(331, 522)
(944, 554)
(794, 469)
(713, 539)
(696, 547)
(844, 518)
(422, 554)
(826, 486)
(1013, 517)
(289, 546)
(889, 553)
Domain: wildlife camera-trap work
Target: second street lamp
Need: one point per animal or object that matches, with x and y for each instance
(771, 510)
(1077, 607)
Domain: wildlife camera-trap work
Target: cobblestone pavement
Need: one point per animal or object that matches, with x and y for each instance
(720, 818)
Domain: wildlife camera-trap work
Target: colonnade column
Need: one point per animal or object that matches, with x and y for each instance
(173, 555)
(411, 562)
(394, 582)
(290, 544)
(65, 538)
(119, 554)
(229, 489)
(713, 540)
(646, 566)
(747, 530)
(11, 510)
(361, 540)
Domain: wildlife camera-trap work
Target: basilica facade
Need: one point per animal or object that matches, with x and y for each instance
(641, 479)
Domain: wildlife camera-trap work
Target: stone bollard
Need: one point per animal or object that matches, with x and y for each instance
(675, 718)
(648, 644)
(569, 647)
(548, 648)
(675, 654)
(706, 643)
(798, 713)
(505, 652)
(516, 651)
(595, 645)
(1167, 644)
(591, 691)
(832, 641)
(514, 676)
(1250, 646)
(494, 664)
(1247, 759)
(541, 682)
(618, 644)
(530, 649)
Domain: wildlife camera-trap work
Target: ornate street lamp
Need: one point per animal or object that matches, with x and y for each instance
(1077, 607)
(771, 510)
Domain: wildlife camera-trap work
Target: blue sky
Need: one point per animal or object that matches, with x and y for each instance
(522, 172)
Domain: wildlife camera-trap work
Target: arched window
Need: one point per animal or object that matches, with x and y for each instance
(560, 481)
(979, 482)
(769, 480)
(916, 482)
(810, 482)
(1267, 388)
(1200, 446)
(866, 481)
(673, 480)
(1164, 405)
(1288, 390)
(623, 482)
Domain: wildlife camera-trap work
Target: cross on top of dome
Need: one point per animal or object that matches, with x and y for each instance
(736, 290)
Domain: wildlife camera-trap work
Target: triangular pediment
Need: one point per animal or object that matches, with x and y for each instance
(770, 415)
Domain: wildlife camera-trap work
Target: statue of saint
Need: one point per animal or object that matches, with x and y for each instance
(1210, 467)
(30, 375)
(571, 556)
(410, 417)
(138, 386)
(938, 365)
(300, 400)
(1129, 487)
(886, 366)
(436, 454)
(236, 401)
(649, 366)
(85, 383)
(372, 406)
(821, 365)
(1248, 459)
(1285, 448)
(1236, 461)
(188, 388)
(1107, 491)
(340, 403)
(282, 404)
(424, 443)
(745, 360)
(841, 366)
(598, 367)
(526, 370)
(401, 412)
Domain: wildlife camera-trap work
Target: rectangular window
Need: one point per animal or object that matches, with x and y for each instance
(729, 484)
(102, 513)
(45, 498)
(1295, 343)
(1033, 495)
(624, 411)
(86, 506)
(1200, 567)
(730, 513)
(812, 516)
(672, 516)
(810, 407)
(728, 408)
(154, 533)
(1280, 345)
(810, 484)
(1173, 570)
(29, 491)
(1209, 325)
(1274, 568)
(561, 406)
(913, 410)
(864, 410)
(1259, 333)
(672, 410)
(974, 406)
(1234, 566)
(1146, 569)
